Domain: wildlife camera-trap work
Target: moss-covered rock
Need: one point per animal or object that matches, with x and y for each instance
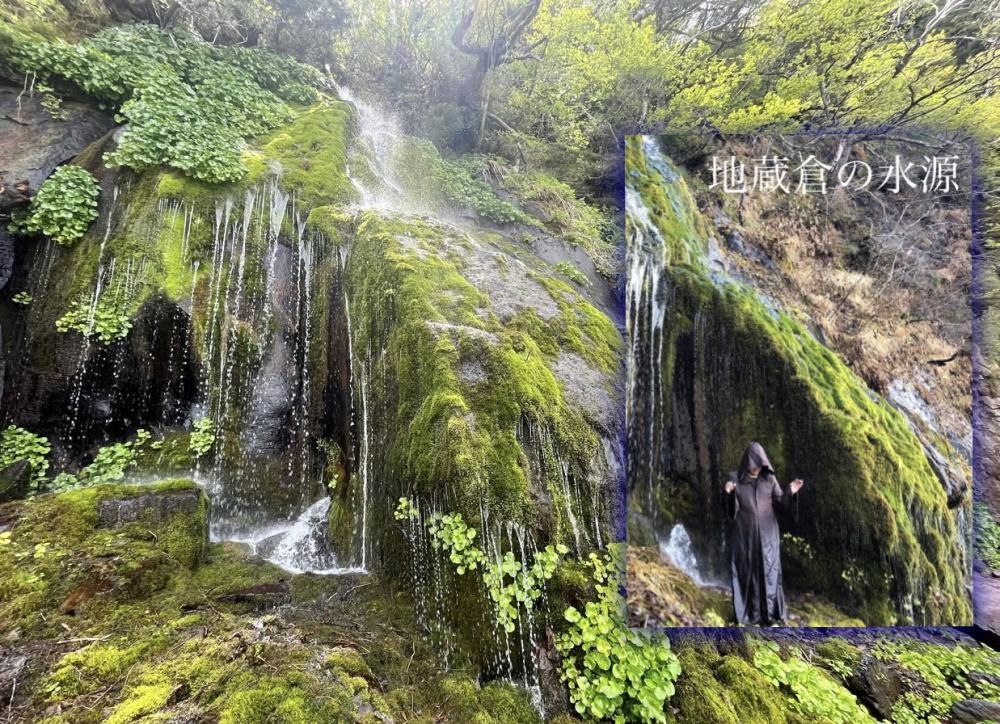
(62, 555)
(718, 689)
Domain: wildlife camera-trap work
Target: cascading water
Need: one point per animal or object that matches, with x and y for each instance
(677, 549)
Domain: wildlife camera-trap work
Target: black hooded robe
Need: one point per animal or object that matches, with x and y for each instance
(758, 598)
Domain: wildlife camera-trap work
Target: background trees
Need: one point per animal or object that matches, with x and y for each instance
(556, 82)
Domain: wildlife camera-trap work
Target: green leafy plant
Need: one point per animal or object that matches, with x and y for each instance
(511, 583)
(188, 103)
(106, 321)
(613, 672)
(202, 437)
(406, 510)
(943, 677)
(18, 444)
(64, 207)
(22, 298)
(108, 466)
(462, 187)
(816, 694)
(572, 273)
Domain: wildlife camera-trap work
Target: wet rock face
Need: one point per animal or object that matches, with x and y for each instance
(153, 507)
(12, 667)
(971, 711)
(15, 479)
(150, 378)
(33, 143)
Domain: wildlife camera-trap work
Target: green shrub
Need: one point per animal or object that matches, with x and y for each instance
(817, 695)
(188, 104)
(202, 437)
(108, 466)
(572, 273)
(64, 207)
(940, 676)
(105, 321)
(18, 444)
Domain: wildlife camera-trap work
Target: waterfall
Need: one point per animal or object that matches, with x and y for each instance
(677, 549)
(379, 137)
(300, 546)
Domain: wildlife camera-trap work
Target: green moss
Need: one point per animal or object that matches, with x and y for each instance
(348, 661)
(457, 698)
(57, 553)
(987, 537)
(675, 219)
(460, 436)
(716, 689)
(312, 151)
(330, 221)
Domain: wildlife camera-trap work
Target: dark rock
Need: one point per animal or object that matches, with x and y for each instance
(262, 595)
(972, 711)
(6, 255)
(33, 143)
(984, 677)
(877, 684)
(153, 507)
(15, 481)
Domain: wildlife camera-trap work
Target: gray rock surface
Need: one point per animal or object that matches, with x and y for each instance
(154, 507)
(972, 711)
(33, 143)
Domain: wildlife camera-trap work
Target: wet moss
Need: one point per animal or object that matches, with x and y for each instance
(459, 436)
(312, 153)
(458, 698)
(331, 222)
(717, 689)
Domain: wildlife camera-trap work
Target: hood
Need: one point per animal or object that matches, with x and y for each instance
(755, 457)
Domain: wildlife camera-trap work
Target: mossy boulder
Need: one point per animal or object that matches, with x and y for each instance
(109, 542)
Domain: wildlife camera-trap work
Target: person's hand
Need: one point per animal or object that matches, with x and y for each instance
(731, 486)
(795, 486)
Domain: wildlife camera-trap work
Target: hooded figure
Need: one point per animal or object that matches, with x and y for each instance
(752, 495)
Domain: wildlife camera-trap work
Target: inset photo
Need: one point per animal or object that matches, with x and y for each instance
(799, 404)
